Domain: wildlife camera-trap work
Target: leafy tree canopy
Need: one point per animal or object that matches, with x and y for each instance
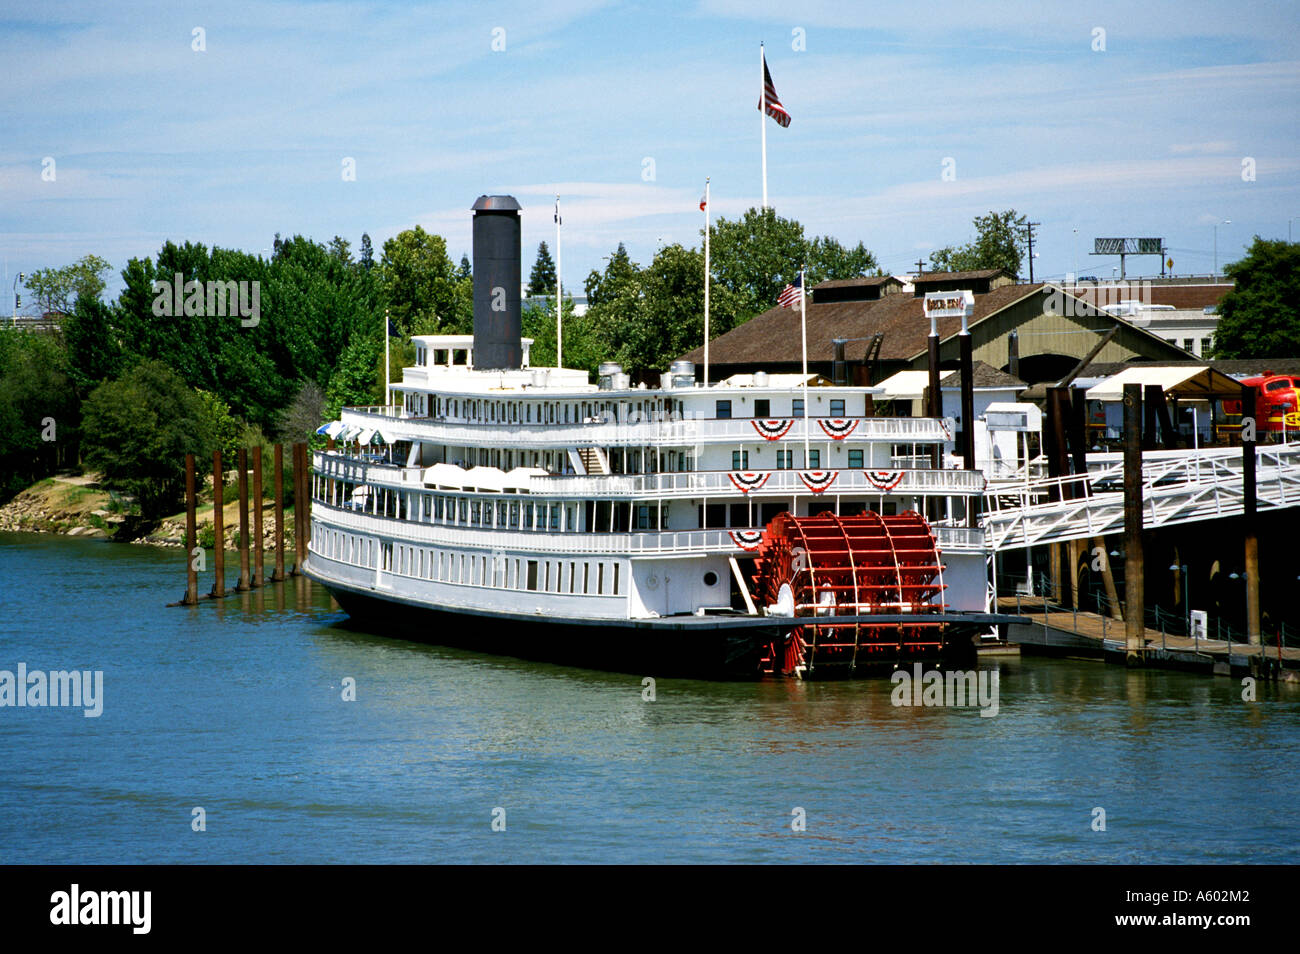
(138, 429)
(1000, 242)
(420, 287)
(1260, 316)
(55, 289)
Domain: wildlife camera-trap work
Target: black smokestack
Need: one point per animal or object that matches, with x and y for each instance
(497, 322)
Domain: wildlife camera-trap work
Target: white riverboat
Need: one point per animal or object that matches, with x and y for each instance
(764, 523)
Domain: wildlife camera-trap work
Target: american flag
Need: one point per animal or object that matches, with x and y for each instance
(774, 107)
(792, 294)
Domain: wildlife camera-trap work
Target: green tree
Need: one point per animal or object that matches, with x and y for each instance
(620, 273)
(420, 287)
(755, 257)
(647, 318)
(1259, 317)
(828, 259)
(39, 410)
(94, 350)
(542, 279)
(55, 289)
(1000, 242)
(137, 431)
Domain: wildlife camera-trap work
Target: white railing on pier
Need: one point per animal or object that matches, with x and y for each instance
(1177, 487)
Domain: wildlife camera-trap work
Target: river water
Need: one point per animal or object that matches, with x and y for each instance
(236, 708)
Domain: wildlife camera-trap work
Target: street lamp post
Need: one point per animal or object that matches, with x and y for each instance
(1216, 243)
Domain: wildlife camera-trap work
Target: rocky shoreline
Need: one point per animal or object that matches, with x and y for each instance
(33, 511)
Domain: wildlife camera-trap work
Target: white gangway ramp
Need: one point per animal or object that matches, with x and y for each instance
(1178, 487)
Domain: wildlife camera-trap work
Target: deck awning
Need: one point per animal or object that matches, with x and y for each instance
(904, 386)
(1187, 382)
(332, 429)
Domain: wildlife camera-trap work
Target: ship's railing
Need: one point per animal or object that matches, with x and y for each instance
(733, 484)
(730, 483)
(600, 431)
(626, 542)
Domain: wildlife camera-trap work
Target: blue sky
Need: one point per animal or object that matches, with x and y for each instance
(152, 140)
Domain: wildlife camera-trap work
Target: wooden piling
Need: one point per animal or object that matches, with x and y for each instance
(191, 535)
(279, 514)
(259, 575)
(1134, 560)
(218, 525)
(1248, 411)
(299, 506)
(244, 584)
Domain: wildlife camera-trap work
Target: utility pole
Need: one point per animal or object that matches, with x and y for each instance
(1029, 227)
(920, 266)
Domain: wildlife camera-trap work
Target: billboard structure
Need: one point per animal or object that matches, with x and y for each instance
(1130, 246)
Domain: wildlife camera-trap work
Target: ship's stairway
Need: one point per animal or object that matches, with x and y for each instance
(589, 460)
(1177, 487)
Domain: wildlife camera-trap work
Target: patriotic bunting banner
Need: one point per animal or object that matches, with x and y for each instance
(884, 480)
(837, 428)
(818, 480)
(745, 481)
(772, 430)
(747, 539)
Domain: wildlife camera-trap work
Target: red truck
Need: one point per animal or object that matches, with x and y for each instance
(1277, 401)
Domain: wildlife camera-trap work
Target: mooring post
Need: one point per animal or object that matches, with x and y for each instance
(299, 506)
(243, 585)
(191, 535)
(219, 527)
(1250, 428)
(1134, 560)
(279, 514)
(259, 576)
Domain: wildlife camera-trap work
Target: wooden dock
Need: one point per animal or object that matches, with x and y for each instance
(1062, 631)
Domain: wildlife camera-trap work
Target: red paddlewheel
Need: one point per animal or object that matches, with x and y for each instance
(828, 566)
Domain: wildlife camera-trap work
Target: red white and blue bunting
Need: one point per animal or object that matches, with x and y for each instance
(745, 481)
(884, 480)
(818, 481)
(837, 428)
(747, 539)
(772, 430)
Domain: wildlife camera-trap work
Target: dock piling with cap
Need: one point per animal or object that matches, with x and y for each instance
(278, 574)
(244, 583)
(259, 577)
(218, 525)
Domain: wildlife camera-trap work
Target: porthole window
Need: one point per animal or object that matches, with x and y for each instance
(710, 579)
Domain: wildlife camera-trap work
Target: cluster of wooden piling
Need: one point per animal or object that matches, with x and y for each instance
(1146, 417)
(252, 576)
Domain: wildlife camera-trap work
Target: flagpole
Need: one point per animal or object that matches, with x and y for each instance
(559, 290)
(762, 113)
(706, 281)
(803, 335)
(388, 388)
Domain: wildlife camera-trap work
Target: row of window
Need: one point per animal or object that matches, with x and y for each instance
(588, 577)
(785, 460)
(763, 408)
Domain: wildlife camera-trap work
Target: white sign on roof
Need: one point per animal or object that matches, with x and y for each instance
(949, 304)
